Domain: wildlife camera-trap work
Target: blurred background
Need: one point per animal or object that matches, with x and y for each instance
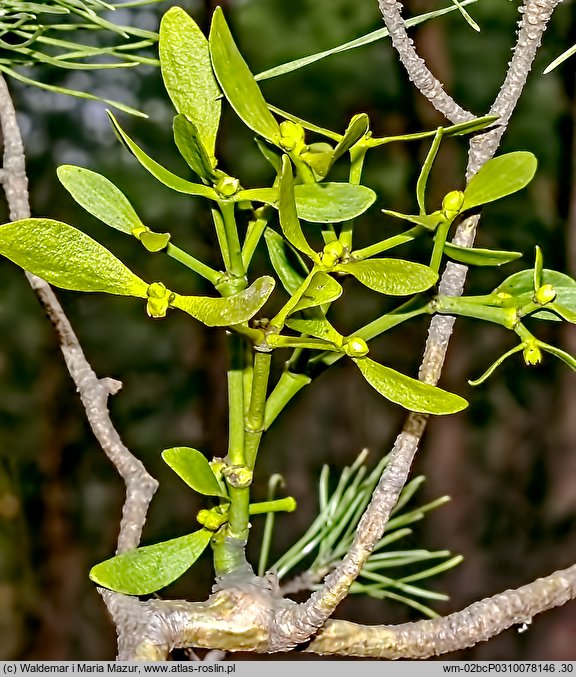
(508, 462)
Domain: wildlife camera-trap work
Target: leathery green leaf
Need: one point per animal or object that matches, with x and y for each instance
(395, 277)
(523, 282)
(472, 256)
(100, 197)
(187, 72)
(192, 149)
(332, 202)
(319, 202)
(408, 392)
(278, 251)
(499, 177)
(322, 289)
(287, 211)
(67, 258)
(428, 221)
(148, 569)
(318, 327)
(192, 466)
(237, 81)
(520, 287)
(356, 130)
(228, 310)
(159, 172)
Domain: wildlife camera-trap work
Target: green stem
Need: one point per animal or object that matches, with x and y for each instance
(425, 171)
(357, 156)
(291, 383)
(439, 242)
(280, 318)
(221, 237)
(288, 385)
(190, 262)
(256, 229)
(229, 553)
(231, 230)
(254, 423)
(278, 341)
(287, 504)
(459, 305)
(388, 243)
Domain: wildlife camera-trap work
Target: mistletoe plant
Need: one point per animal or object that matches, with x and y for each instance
(288, 217)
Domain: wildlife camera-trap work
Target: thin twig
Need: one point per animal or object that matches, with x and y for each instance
(416, 67)
(94, 392)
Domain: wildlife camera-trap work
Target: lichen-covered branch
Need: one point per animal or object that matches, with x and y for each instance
(94, 392)
(476, 623)
(416, 67)
(297, 624)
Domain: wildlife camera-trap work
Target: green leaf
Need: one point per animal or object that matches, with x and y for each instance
(520, 287)
(188, 77)
(560, 59)
(356, 130)
(154, 242)
(394, 277)
(322, 289)
(428, 221)
(100, 197)
(270, 153)
(146, 570)
(287, 211)
(70, 92)
(499, 177)
(163, 175)
(567, 311)
(538, 268)
(332, 202)
(522, 282)
(319, 156)
(67, 258)
(278, 251)
(192, 466)
(317, 327)
(229, 310)
(408, 392)
(479, 257)
(192, 149)
(559, 353)
(353, 44)
(318, 202)
(237, 81)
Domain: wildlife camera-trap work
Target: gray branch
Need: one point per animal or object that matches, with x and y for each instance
(296, 625)
(94, 392)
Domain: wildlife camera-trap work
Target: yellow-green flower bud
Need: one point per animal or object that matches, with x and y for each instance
(332, 253)
(159, 299)
(355, 347)
(452, 203)
(532, 354)
(211, 519)
(545, 294)
(292, 135)
(227, 186)
(238, 476)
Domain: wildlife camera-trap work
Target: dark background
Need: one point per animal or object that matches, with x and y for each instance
(509, 461)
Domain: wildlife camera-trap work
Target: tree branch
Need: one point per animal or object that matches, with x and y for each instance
(297, 624)
(476, 623)
(94, 392)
